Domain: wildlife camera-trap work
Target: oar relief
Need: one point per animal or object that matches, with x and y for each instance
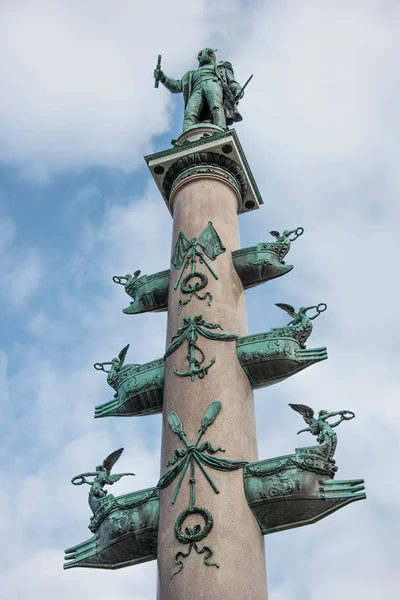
(203, 457)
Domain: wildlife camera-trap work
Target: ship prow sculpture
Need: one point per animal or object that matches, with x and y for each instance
(204, 519)
(283, 493)
(254, 265)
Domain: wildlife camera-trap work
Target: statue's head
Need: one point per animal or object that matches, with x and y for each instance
(207, 55)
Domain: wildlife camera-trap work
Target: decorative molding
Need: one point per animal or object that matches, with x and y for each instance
(206, 169)
(160, 162)
(208, 159)
(189, 145)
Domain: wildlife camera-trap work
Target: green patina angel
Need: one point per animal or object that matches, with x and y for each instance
(284, 240)
(102, 476)
(321, 427)
(116, 367)
(300, 327)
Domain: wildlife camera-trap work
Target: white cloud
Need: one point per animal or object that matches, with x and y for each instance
(77, 86)
(21, 266)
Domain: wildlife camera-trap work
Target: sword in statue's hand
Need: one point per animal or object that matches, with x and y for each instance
(240, 94)
(157, 72)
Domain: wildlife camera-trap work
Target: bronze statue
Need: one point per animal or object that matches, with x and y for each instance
(116, 366)
(321, 428)
(102, 476)
(210, 92)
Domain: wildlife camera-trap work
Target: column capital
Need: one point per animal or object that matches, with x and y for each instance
(205, 153)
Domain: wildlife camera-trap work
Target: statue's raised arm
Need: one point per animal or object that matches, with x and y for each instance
(210, 92)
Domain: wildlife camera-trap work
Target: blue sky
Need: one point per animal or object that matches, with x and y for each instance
(321, 131)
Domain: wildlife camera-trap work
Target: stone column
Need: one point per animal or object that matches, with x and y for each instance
(196, 198)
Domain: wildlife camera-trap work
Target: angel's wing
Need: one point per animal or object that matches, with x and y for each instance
(287, 308)
(111, 459)
(276, 234)
(303, 409)
(181, 247)
(210, 241)
(122, 354)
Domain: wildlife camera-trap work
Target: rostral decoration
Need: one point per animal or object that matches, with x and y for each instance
(203, 178)
(117, 368)
(322, 429)
(102, 477)
(190, 332)
(299, 489)
(254, 265)
(186, 253)
(203, 456)
(300, 327)
(284, 492)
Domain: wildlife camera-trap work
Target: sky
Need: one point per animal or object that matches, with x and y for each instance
(321, 131)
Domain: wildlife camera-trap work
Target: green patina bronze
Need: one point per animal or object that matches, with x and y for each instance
(203, 456)
(254, 265)
(102, 476)
(267, 358)
(261, 263)
(298, 489)
(211, 92)
(186, 253)
(321, 428)
(138, 388)
(149, 292)
(300, 327)
(190, 332)
(271, 357)
(125, 527)
(283, 492)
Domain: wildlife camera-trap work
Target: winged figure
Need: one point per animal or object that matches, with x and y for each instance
(102, 476)
(321, 428)
(116, 366)
(288, 235)
(284, 241)
(301, 322)
(130, 282)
